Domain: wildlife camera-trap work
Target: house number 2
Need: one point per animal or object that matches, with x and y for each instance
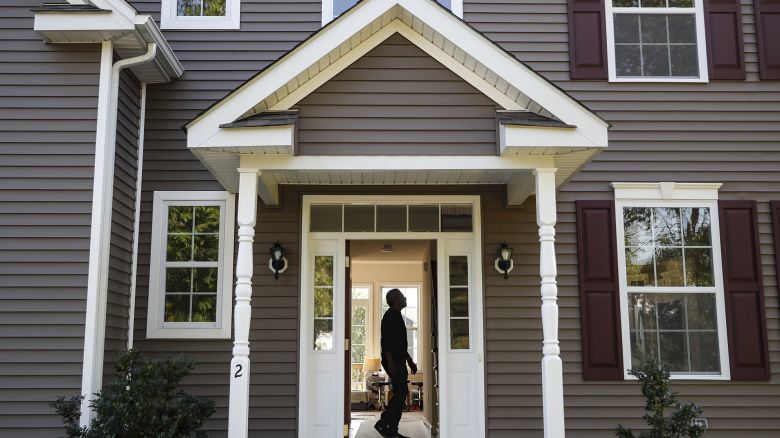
(238, 371)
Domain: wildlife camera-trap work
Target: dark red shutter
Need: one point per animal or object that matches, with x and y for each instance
(745, 315)
(602, 357)
(724, 39)
(775, 207)
(768, 36)
(587, 40)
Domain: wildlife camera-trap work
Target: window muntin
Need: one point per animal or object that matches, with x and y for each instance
(656, 40)
(673, 300)
(191, 272)
(459, 302)
(323, 302)
(192, 263)
(200, 14)
(200, 8)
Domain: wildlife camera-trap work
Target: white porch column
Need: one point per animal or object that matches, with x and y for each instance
(552, 367)
(238, 414)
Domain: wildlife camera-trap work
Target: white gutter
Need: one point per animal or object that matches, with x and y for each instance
(100, 232)
(136, 218)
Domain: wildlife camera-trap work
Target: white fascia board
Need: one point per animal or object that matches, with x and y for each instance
(523, 78)
(91, 21)
(666, 191)
(513, 136)
(398, 162)
(258, 136)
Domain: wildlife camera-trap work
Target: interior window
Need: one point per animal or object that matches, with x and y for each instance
(655, 39)
(672, 296)
(410, 314)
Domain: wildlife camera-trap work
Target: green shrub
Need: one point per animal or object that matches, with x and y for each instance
(142, 402)
(659, 398)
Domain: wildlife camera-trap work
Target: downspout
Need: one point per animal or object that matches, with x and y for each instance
(136, 218)
(100, 229)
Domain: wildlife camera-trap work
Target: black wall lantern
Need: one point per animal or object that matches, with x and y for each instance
(504, 262)
(277, 263)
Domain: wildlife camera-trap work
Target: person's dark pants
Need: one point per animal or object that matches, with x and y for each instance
(392, 414)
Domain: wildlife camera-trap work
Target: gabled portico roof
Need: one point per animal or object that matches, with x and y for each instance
(229, 127)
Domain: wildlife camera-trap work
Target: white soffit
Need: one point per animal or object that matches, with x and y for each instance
(426, 24)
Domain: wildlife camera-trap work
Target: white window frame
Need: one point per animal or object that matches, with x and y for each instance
(672, 195)
(456, 7)
(156, 327)
(701, 41)
(169, 19)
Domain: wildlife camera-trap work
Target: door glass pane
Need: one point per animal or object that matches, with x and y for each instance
(323, 302)
(459, 302)
(358, 218)
(391, 218)
(456, 218)
(325, 218)
(423, 218)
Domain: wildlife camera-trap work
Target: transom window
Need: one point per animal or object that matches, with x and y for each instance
(333, 8)
(200, 14)
(191, 274)
(673, 298)
(430, 217)
(657, 40)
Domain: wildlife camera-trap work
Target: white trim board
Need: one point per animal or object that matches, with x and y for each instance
(156, 327)
(472, 240)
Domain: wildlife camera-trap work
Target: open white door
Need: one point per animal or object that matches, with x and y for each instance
(460, 340)
(322, 339)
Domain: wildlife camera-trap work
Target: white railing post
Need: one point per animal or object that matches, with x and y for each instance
(238, 414)
(552, 367)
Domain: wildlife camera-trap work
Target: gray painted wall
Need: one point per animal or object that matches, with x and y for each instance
(122, 217)
(723, 131)
(48, 100)
(397, 100)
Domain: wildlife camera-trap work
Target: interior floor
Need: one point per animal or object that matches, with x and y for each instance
(412, 425)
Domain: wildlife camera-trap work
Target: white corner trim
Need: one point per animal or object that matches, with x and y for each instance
(666, 190)
(136, 218)
(169, 18)
(156, 328)
(100, 226)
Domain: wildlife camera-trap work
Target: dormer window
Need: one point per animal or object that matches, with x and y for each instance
(200, 14)
(333, 8)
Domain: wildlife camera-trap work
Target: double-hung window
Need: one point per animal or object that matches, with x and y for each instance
(333, 8)
(191, 269)
(200, 14)
(671, 286)
(656, 40)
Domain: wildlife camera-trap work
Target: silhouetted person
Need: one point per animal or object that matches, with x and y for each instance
(395, 356)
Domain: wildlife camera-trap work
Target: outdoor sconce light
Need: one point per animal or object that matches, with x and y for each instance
(277, 263)
(504, 262)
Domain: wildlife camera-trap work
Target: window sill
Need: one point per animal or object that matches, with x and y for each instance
(188, 333)
(200, 23)
(693, 377)
(662, 80)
